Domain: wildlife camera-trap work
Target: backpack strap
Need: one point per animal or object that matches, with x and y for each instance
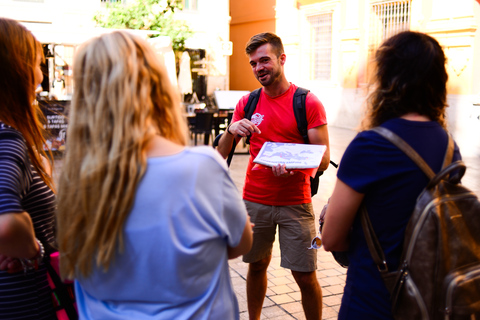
(371, 238)
(252, 103)
(299, 109)
(232, 150)
(406, 148)
(250, 107)
(449, 153)
(391, 279)
(372, 241)
(300, 112)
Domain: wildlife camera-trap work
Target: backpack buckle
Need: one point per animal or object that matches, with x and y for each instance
(383, 267)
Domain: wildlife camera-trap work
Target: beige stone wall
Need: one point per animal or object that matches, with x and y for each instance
(455, 24)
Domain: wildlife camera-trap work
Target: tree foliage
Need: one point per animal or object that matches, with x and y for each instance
(157, 15)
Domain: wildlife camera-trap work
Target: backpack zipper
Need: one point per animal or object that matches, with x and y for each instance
(456, 281)
(418, 297)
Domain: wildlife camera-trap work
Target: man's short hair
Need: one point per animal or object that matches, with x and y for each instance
(263, 38)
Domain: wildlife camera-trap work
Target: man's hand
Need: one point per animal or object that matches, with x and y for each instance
(280, 171)
(234, 133)
(243, 128)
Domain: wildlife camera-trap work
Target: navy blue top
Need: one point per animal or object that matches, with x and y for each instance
(391, 182)
(25, 296)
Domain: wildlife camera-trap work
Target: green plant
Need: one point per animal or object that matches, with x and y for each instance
(157, 15)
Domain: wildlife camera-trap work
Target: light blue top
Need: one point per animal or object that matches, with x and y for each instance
(186, 211)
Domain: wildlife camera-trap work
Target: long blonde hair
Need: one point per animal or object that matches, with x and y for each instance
(19, 51)
(122, 98)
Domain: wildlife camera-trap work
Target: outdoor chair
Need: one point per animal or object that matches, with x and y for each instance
(202, 125)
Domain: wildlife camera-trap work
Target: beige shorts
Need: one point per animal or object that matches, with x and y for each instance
(296, 229)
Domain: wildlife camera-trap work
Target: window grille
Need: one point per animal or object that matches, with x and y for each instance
(387, 19)
(321, 46)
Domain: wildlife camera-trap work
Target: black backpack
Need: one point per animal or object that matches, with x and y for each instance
(299, 110)
(439, 274)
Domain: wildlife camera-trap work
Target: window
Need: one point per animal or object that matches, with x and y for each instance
(321, 46)
(387, 19)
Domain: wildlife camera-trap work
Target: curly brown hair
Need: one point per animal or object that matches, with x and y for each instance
(410, 76)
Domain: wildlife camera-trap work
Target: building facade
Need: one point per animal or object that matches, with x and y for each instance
(64, 24)
(329, 44)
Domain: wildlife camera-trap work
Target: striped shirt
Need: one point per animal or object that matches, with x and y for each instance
(25, 296)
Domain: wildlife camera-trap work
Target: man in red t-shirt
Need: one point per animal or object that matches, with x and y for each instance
(278, 197)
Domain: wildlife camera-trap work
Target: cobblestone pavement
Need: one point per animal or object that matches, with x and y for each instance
(283, 299)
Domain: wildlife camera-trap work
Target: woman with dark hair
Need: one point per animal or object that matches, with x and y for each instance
(27, 202)
(409, 98)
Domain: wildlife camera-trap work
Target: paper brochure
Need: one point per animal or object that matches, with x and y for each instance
(293, 155)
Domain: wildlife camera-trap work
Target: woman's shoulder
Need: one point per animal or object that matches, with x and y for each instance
(370, 147)
(402, 124)
(208, 155)
(405, 129)
(428, 138)
(11, 140)
(8, 132)
(366, 139)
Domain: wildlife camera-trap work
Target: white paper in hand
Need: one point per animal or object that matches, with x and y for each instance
(293, 155)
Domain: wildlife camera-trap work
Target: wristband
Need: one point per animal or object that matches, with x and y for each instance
(33, 263)
(228, 129)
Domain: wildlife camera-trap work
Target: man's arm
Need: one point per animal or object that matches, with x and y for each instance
(234, 133)
(226, 142)
(319, 135)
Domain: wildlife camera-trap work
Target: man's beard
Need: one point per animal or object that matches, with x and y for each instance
(271, 77)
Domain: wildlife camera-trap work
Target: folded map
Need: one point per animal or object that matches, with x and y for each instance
(293, 155)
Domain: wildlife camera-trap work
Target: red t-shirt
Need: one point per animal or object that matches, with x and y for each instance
(276, 120)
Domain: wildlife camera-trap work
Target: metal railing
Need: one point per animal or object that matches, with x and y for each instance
(387, 19)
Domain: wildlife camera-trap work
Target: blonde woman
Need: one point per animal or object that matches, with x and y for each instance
(145, 224)
(27, 202)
